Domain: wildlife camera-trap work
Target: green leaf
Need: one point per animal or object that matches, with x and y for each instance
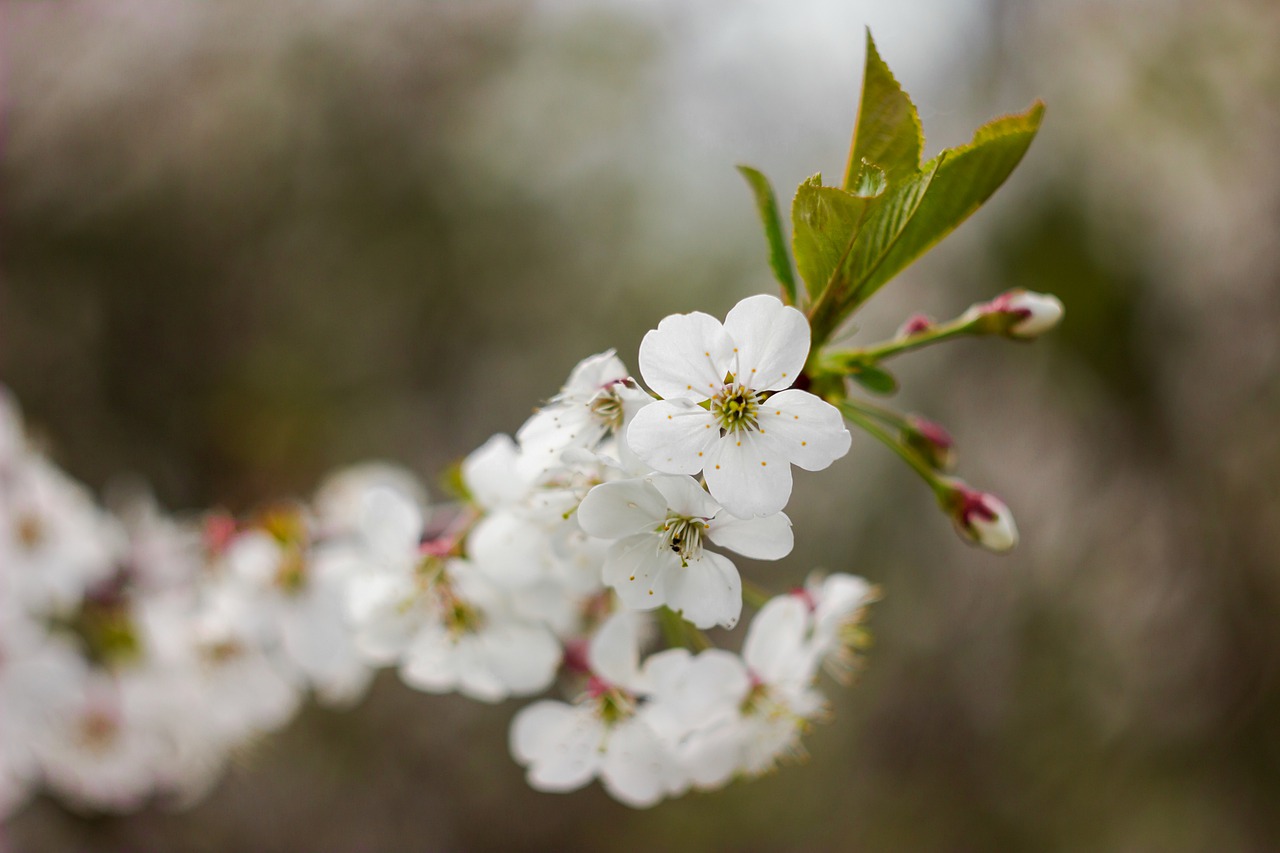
(888, 131)
(965, 177)
(877, 380)
(767, 204)
(884, 228)
(871, 182)
(824, 223)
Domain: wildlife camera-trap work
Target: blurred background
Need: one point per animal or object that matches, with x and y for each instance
(245, 243)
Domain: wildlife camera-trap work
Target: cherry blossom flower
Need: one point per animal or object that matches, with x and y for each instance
(660, 523)
(601, 735)
(598, 400)
(728, 410)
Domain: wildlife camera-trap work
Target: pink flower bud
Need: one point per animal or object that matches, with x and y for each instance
(914, 325)
(981, 518)
(932, 441)
(1018, 313)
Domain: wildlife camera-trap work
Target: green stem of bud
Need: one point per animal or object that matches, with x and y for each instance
(839, 361)
(868, 424)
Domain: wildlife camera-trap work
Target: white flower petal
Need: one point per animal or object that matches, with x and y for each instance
(490, 473)
(804, 429)
(636, 570)
(633, 766)
(684, 496)
(523, 657)
(614, 651)
(767, 537)
(708, 591)
(507, 549)
(673, 436)
(570, 756)
(429, 663)
(593, 373)
(772, 342)
(775, 645)
(747, 476)
(621, 508)
(686, 357)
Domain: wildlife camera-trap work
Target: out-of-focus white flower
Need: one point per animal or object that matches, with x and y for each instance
(54, 540)
(725, 413)
(442, 620)
(302, 602)
(355, 497)
(566, 746)
(660, 523)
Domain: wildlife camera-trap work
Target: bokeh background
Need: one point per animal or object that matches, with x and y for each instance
(244, 243)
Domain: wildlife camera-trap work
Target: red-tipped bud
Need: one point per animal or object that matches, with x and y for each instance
(932, 441)
(980, 518)
(914, 325)
(1018, 313)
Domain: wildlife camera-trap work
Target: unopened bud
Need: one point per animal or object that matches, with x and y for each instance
(931, 441)
(980, 518)
(1017, 313)
(914, 325)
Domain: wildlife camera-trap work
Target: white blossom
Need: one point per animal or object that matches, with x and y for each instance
(659, 524)
(728, 410)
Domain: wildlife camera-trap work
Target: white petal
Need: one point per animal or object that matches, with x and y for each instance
(714, 756)
(523, 657)
(614, 651)
(686, 357)
(804, 429)
(621, 508)
(572, 755)
(636, 570)
(475, 678)
(747, 476)
(772, 341)
(535, 727)
(708, 591)
(774, 648)
(632, 770)
(490, 473)
(429, 662)
(391, 522)
(685, 496)
(508, 549)
(673, 436)
(593, 373)
(767, 537)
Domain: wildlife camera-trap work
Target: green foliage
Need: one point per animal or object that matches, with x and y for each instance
(875, 379)
(888, 132)
(963, 178)
(824, 221)
(848, 241)
(767, 205)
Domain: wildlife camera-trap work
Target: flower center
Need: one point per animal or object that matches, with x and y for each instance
(98, 730)
(460, 617)
(30, 532)
(737, 408)
(683, 535)
(606, 407)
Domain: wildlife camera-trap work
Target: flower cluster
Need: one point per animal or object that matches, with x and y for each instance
(138, 651)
